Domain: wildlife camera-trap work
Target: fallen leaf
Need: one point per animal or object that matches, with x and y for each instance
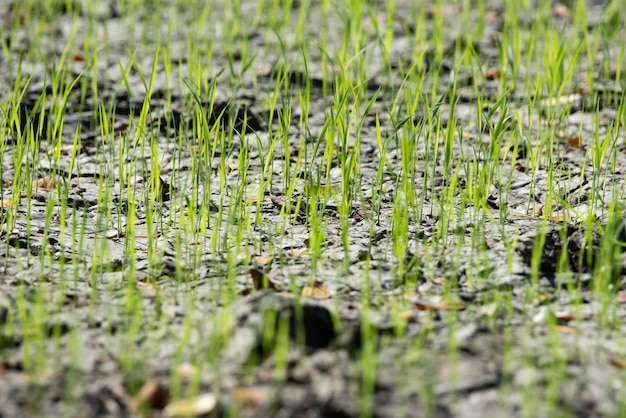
(423, 306)
(201, 404)
(451, 304)
(439, 280)
(493, 74)
(565, 329)
(4, 203)
(260, 280)
(561, 10)
(263, 261)
(574, 141)
(559, 217)
(297, 252)
(564, 316)
(318, 291)
(253, 396)
(44, 183)
(619, 363)
(153, 394)
(621, 297)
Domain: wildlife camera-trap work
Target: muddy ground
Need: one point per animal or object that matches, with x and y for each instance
(460, 356)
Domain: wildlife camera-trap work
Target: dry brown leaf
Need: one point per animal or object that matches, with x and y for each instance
(252, 396)
(4, 203)
(153, 394)
(44, 183)
(565, 329)
(439, 280)
(451, 304)
(560, 217)
(574, 141)
(493, 74)
(318, 291)
(263, 261)
(619, 363)
(561, 10)
(190, 407)
(297, 252)
(260, 280)
(564, 316)
(424, 306)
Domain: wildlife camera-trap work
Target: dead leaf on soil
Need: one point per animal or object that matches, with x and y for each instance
(560, 217)
(493, 74)
(190, 407)
(4, 203)
(451, 304)
(264, 261)
(252, 396)
(153, 394)
(260, 280)
(564, 316)
(564, 329)
(45, 183)
(561, 10)
(574, 141)
(318, 291)
(297, 252)
(617, 362)
(424, 306)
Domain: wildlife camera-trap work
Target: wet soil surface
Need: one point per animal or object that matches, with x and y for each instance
(454, 350)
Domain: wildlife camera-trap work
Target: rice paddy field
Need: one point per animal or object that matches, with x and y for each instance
(298, 208)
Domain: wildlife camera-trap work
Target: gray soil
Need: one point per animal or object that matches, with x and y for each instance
(466, 358)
